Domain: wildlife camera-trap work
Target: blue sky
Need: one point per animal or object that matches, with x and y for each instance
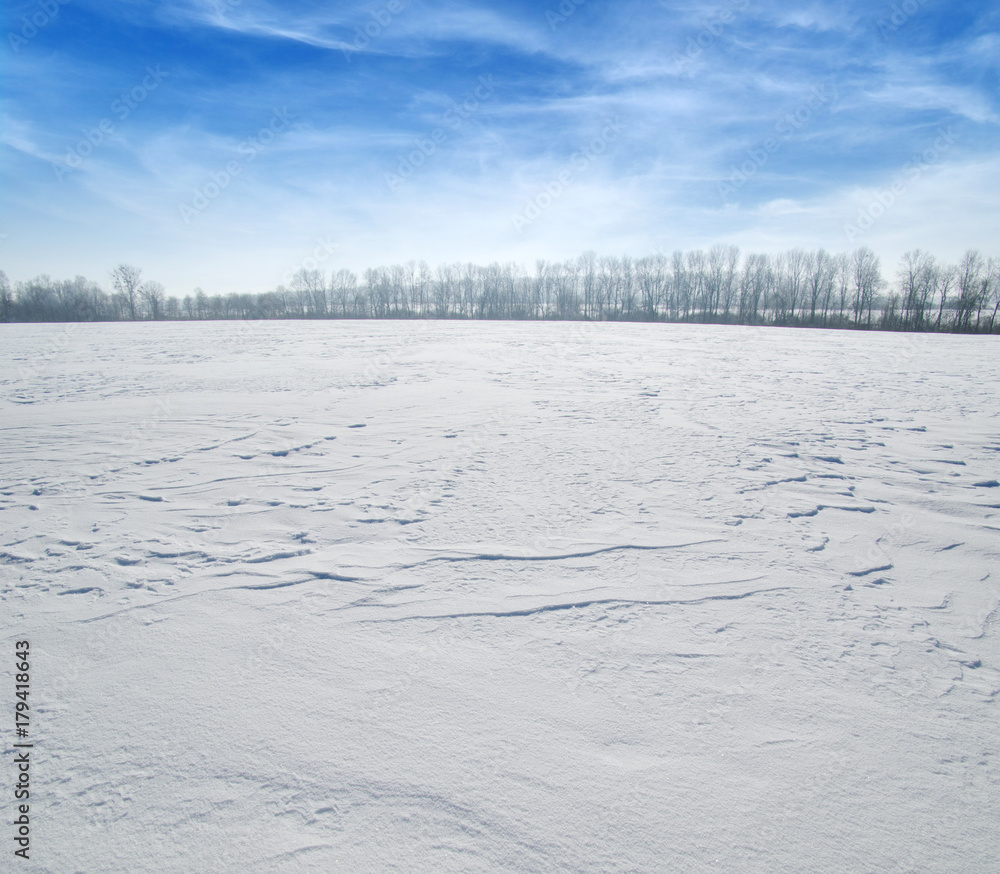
(225, 143)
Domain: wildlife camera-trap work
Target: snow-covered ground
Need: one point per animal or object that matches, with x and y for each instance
(435, 597)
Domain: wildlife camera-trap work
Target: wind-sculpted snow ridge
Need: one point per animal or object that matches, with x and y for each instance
(581, 605)
(559, 557)
(520, 597)
(817, 510)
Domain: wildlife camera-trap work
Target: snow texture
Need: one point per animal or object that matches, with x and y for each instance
(435, 597)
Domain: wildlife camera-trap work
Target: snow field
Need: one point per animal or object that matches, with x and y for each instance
(504, 597)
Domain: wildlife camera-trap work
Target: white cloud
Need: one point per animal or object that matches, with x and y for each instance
(963, 101)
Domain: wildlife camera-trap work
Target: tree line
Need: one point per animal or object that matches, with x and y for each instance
(795, 288)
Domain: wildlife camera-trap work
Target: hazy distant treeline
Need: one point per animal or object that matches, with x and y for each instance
(721, 285)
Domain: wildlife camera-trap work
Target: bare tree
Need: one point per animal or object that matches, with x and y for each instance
(820, 269)
(753, 282)
(6, 298)
(418, 294)
(342, 287)
(946, 278)
(729, 284)
(867, 277)
(127, 281)
(720, 279)
(777, 290)
(398, 280)
(628, 287)
(651, 277)
(797, 266)
(976, 287)
(970, 272)
(154, 295)
(713, 279)
(444, 290)
(587, 265)
(993, 279)
(696, 266)
(468, 282)
(770, 275)
(601, 288)
(309, 287)
(917, 278)
(679, 287)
